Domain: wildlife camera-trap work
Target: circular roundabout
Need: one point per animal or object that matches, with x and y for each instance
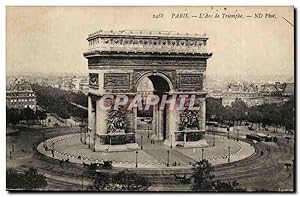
(220, 150)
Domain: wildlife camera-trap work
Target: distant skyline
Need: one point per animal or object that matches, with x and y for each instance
(53, 39)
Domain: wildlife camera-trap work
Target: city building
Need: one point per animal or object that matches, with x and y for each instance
(254, 94)
(20, 95)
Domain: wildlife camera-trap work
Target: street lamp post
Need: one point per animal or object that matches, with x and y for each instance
(85, 136)
(168, 162)
(45, 142)
(228, 153)
(82, 177)
(202, 153)
(141, 142)
(171, 142)
(136, 159)
(80, 131)
(227, 132)
(214, 140)
(237, 135)
(148, 131)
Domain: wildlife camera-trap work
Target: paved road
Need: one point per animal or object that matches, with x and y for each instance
(260, 171)
(159, 151)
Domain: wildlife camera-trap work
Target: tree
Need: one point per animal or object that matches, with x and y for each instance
(239, 109)
(34, 179)
(214, 109)
(228, 114)
(58, 101)
(14, 180)
(100, 181)
(31, 179)
(288, 115)
(12, 116)
(40, 115)
(27, 114)
(273, 114)
(254, 116)
(220, 186)
(122, 181)
(203, 179)
(130, 181)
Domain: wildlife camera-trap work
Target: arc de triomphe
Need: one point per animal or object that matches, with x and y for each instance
(117, 61)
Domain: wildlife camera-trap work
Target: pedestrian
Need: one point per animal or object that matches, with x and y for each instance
(152, 138)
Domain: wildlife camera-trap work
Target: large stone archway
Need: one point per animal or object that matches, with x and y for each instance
(160, 118)
(118, 61)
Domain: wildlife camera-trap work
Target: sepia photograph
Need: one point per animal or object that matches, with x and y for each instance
(150, 99)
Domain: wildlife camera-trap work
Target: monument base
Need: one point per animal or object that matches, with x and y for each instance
(116, 148)
(192, 144)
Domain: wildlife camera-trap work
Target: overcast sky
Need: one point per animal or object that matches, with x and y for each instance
(53, 39)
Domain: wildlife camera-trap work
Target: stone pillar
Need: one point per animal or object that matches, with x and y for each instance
(167, 127)
(171, 125)
(155, 120)
(101, 117)
(160, 124)
(202, 114)
(91, 122)
(131, 117)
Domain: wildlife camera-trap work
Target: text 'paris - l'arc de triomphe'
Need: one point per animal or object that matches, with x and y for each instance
(118, 61)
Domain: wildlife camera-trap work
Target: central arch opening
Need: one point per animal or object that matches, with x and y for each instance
(152, 123)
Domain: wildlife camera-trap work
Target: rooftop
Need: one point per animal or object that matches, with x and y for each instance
(19, 85)
(147, 42)
(146, 33)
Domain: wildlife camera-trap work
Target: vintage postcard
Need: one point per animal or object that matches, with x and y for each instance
(178, 99)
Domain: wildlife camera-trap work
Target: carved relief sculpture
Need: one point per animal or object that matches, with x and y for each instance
(116, 81)
(189, 120)
(94, 80)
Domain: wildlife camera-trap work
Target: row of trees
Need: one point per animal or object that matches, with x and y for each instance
(272, 114)
(202, 180)
(30, 179)
(14, 116)
(262, 115)
(59, 101)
